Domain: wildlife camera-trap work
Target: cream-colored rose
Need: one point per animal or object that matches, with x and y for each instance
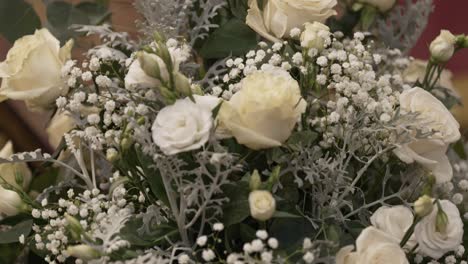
(9, 171)
(265, 111)
(417, 70)
(280, 16)
(60, 124)
(373, 247)
(185, 125)
(32, 70)
(394, 221)
(10, 202)
(382, 5)
(262, 205)
(429, 153)
(433, 243)
(315, 36)
(443, 47)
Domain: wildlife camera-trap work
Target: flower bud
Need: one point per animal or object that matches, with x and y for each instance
(169, 96)
(10, 202)
(262, 205)
(112, 155)
(423, 206)
(441, 219)
(74, 225)
(255, 181)
(153, 66)
(126, 143)
(182, 84)
(443, 47)
(315, 36)
(83, 252)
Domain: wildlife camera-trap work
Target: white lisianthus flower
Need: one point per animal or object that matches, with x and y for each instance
(185, 125)
(433, 243)
(265, 111)
(9, 171)
(315, 36)
(431, 152)
(443, 46)
(262, 205)
(373, 247)
(138, 73)
(382, 5)
(279, 17)
(60, 124)
(394, 221)
(10, 203)
(32, 70)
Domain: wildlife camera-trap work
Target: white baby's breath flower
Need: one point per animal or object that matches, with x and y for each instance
(201, 241)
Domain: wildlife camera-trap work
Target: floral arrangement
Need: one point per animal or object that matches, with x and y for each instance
(274, 131)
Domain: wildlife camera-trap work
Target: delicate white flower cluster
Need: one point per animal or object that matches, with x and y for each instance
(77, 219)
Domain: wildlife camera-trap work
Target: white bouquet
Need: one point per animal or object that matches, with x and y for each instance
(237, 132)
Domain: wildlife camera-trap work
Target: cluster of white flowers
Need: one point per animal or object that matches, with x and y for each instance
(75, 222)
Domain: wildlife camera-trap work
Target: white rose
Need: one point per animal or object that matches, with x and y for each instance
(137, 76)
(373, 247)
(32, 70)
(10, 203)
(382, 5)
(265, 111)
(8, 171)
(433, 243)
(60, 124)
(185, 125)
(417, 70)
(443, 47)
(394, 221)
(315, 36)
(280, 16)
(262, 205)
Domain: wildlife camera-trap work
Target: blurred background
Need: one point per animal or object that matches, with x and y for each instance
(27, 129)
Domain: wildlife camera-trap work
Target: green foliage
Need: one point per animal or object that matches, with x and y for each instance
(238, 8)
(62, 15)
(301, 139)
(232, 38)
(237, 209)
(459, 148)
(156, 237)
(12, 235)
(17, 18)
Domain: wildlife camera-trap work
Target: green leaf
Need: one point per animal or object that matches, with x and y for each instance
(12, 235)
(368, 16)
(62, 15)
(459, 148)
(153, 177)
(130, 233)
(17, 18)
(290, 232)
(97, 13)
(233, 38)
(279, 214)
(237, 209)
(301, 139)
(238, 8)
